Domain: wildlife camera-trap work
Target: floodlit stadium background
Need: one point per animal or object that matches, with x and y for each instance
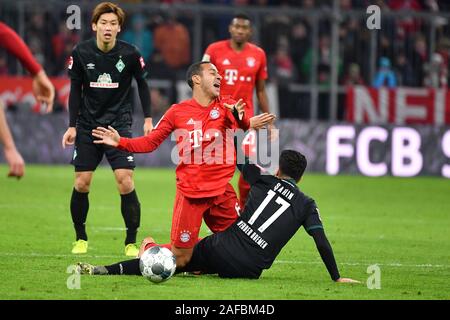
(327, 62)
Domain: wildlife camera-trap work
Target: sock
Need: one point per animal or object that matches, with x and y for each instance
(131, 212)
(128, 267)
(79, 206)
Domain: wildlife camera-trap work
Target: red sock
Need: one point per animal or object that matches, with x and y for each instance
(167, 245)
(153, 244)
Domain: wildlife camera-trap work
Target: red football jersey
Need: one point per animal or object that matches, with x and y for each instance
(206, 148)
(15, 45)
(239, 70)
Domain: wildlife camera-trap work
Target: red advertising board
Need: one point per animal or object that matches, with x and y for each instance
(398, 106)
(18, 90)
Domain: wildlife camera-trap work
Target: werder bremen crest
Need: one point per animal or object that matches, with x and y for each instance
(120, 65)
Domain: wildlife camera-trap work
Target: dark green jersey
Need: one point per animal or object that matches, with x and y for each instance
(106, 82)
(274, 211)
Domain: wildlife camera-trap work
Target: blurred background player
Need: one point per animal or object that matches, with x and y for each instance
(275, 210)
(101, 70)
(200, 124)
(243, 66)
(43, 91)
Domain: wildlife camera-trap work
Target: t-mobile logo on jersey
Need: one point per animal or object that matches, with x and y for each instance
(231, 75)
(196, 136)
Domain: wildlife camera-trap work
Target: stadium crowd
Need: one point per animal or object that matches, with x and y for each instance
(405, 55)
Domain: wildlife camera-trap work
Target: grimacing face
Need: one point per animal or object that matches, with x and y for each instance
(107, 27)
(240, 30)
(211, 80)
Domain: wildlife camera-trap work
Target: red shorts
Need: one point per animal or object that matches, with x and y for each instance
(219, 213)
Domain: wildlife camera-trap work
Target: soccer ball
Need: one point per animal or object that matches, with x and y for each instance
(157, 264)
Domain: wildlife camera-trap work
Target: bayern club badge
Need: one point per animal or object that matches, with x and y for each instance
(214, 114)
(251, 62)
(185, 236)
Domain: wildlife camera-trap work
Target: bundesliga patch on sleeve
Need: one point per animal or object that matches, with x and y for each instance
(141, 60)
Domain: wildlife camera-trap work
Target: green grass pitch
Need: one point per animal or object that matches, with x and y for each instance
(402, 225)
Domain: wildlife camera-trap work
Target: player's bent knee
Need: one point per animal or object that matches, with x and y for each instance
(82, 184)
(125, 183)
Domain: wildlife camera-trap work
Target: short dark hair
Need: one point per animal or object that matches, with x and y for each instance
(292, 164)
(241, 15)
(194, 69)
(108, 7)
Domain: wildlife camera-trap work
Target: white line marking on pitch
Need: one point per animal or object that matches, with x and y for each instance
(43, 255)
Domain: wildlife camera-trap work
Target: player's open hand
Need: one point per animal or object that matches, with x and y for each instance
(43, 90)
(347, 280)
(238, 106)
(108, 136)
(16, 163)
(261, 120)
(69, 137)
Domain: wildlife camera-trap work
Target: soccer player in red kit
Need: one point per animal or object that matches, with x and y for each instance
(200, 124)
(243, 67)
(43, 91)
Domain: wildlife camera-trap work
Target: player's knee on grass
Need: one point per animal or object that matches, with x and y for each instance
(183, 255)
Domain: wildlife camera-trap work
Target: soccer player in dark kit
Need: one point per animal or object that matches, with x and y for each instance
(275, 210)
(101, 70)
(203, 127)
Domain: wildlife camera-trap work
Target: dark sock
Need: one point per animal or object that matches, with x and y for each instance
(79, 206)
(128, 267)
(131, 212)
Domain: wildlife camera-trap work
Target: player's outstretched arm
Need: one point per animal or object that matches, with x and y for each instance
(261, 121)
(108, 136)
(257, 122)
(326, 253)
(12, 156)
(43, 90)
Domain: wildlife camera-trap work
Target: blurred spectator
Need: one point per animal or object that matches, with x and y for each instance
(385, 76)
(405, 73)
(173, 42)
(283, 71)
(407, 25)
(37, 50)
(274, 26)
(37, 36)
(443, 48)
(3, 65)
(436, 72)
(140, 36)
(353, 76)
(299, 43)
(324, 61)
(418, 57)
(62, 45)
(160, 103)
